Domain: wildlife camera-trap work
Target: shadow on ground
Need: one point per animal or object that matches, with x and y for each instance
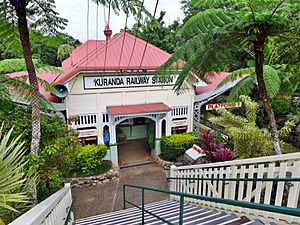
(109, 196)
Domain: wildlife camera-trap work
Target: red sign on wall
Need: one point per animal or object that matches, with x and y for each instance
(93, 138)
(223, 105)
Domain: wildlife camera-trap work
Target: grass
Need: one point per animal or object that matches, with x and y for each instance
(104, 167)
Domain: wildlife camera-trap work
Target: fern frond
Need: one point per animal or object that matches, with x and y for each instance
(244, 87)
(204, 22)
(272, 80)
(237, 74)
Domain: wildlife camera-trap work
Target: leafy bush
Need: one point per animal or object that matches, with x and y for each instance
(222, 154)
(175, 145)
(249, 141)
(54, 161)
(281, 106)
(213, 147)
(89, 157)
(102, 168)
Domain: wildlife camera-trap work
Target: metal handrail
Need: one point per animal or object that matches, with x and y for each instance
(265, 207)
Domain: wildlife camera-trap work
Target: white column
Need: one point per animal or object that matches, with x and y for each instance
(113, 134)
(168, 119)
(156, 150)
(158, 128)
(100, 134)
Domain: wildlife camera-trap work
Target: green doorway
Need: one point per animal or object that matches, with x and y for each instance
(133, 147)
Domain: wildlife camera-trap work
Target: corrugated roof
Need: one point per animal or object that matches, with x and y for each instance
(109, 55)
(46, 75)
(213, 80)
(137, 109)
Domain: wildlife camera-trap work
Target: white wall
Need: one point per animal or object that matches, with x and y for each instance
(80, 101)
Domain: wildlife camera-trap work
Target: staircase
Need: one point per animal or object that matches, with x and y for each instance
(267, 188)
(168, 210)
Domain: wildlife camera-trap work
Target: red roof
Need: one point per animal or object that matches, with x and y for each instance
(48, 76)
(92, 55)
(136, 109)
(80, 53)
(213, 80)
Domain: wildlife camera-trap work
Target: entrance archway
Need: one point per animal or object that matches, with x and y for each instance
(135, 138)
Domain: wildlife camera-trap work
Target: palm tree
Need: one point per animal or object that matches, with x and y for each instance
(43, 14)
(223, 28)
(14, 190)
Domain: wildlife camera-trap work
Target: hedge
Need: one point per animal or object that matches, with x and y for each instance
(175, 145)
(89, 157)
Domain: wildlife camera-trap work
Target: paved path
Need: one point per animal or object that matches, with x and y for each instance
(109, 196)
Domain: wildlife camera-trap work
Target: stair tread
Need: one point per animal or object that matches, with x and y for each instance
(168, 210)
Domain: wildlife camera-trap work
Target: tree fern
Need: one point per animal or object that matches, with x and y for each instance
(252, 23)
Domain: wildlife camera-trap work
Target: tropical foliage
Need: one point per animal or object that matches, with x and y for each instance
(249, 141)
(175, 145)
(215, 150)
(14, 187)
(221, 29)
(64, 51)
(90, 157)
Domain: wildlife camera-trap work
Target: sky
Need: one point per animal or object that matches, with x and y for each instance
(76, 12)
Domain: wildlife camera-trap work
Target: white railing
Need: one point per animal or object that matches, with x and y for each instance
(180, 112)
(85, 120)
(55, 210)
(263, 192)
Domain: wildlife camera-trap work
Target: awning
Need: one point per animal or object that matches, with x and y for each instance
(138, 109)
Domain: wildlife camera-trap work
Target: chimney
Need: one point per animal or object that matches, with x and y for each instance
(107, 31)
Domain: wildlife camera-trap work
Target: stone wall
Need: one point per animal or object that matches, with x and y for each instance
(166, 164)
(83, 182)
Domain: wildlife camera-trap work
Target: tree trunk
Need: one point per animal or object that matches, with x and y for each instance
(20, 7)
(259, 45)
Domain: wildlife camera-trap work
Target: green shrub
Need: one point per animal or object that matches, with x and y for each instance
(89, 157)
(175, 145)
(281, 106)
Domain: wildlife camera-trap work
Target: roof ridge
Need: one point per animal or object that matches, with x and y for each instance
(101, 48)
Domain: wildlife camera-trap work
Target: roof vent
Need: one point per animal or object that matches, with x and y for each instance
(107, 31)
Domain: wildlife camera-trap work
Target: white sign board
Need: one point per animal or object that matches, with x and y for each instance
(223, 105)
(88, 132)
(195, 152)
(100, 82)
(177, 123)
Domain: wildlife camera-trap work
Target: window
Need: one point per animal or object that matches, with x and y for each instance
(179, 111)
(105, 118)
(87, 119)
(163, 127)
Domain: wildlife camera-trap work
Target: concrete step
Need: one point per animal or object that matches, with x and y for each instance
(168, 210)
